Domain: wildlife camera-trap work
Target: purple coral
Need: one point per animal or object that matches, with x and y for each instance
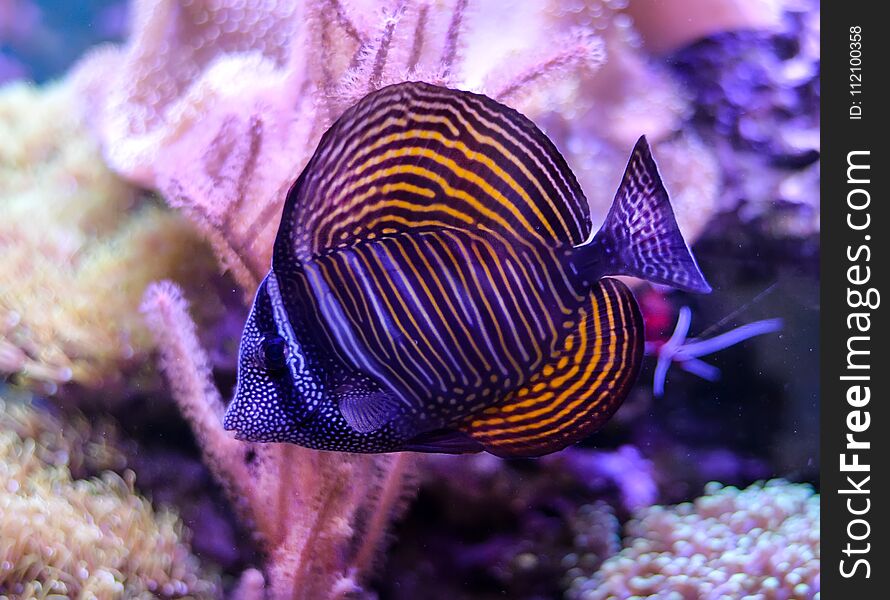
(686, 353)
(760, 88)
(729, 543)
(624, 469)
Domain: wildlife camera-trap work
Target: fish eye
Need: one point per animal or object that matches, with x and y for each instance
(273, 350)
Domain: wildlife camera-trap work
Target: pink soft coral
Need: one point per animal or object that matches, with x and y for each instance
(218, 106)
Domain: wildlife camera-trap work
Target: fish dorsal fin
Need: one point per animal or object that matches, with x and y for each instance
(418, 156)
(575, 393)
(367, 411)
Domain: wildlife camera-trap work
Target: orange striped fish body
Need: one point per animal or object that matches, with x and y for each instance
(436, 286)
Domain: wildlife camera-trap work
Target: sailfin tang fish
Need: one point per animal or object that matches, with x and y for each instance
(437, 286)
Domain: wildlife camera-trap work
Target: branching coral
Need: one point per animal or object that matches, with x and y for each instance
(319, 517)
(601, 114)
(219, 107)
(84, 538)
(75, 261)
(762, 541)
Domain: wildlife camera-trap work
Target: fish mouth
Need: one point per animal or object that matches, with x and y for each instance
(242, 434)
(230, 422)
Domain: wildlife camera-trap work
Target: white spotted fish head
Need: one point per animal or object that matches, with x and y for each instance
(277, 392)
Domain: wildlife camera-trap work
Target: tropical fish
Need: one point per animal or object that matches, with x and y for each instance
(437, 286)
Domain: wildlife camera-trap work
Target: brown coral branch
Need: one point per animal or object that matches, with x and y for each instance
(584, 50)
(419, 38)
(322, 26)
(306, 563)
(224, 247)
(382, 44)
(393, 499)
(255, 135)
(187, 368)
(302, 503)
(453, 39)
(345, 21)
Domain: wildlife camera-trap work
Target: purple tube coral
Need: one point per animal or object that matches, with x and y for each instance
(686, 352)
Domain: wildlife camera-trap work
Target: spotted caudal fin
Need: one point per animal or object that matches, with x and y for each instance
(575, 392)
(640, 236)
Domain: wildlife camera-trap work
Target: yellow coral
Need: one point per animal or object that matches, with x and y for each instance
(64, 440)
(78, 245)
(61, 537)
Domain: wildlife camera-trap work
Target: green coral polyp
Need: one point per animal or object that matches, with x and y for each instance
(62, 537)
(79, 246)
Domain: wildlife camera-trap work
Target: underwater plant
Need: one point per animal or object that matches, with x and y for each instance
(729, 543)
(97, 538)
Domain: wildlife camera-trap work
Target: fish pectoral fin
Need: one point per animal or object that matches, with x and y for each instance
(367, 411)
(444, 441)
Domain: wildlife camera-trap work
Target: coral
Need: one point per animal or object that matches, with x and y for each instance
(70, 440)
(729, 543)
(756, 102)
(217, 107)
(600, 116)
(83, 538)
(223, 130)
(318, 517)
(78, 246)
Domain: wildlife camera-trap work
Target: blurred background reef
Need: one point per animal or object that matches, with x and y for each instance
(152, 141)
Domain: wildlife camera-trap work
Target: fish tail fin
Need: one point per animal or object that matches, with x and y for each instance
(640, 236)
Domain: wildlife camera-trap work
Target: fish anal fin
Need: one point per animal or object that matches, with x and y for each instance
(367, 411)
(576, 392)
(444, 441)
(640, 236)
